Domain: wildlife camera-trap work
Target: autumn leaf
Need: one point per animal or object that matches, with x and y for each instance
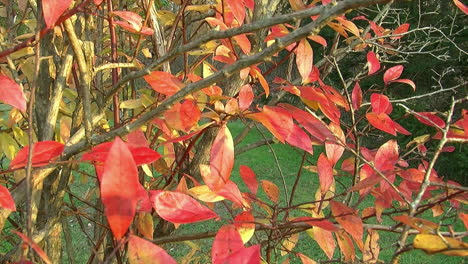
(373, 62)
(183, 116)
(238, 9)
(325, 240)
(305, 259)
(432, 244)
(346, 245)
(380, 104)
(119, 188)
(319, 222)
(249, 255)
(53, 9)
(246, 97)
(325, 172)
(386, 156)
(179, 208)
(11, 93)
(460, 5)
(245, 224)
(6, 200)
(141, 251)
(400, 30)
(430, 119)
(226, 242)
(249, 178)
(271, 190)
(348, 219)
(356, 96)
(132, 22)
(34, 246)
(382, 122)
(163, 82)
(371, 247)
(221, 159)
(298, 138)
(43, 152)
(304, 58)
(392, 74)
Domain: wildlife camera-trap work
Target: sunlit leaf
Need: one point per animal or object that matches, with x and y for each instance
(141, 251)
(393, 73)
(163, 82)
(289, 243)
(348, 219)
(245, 224)
(304, 57)
(382, 122)
(249, 255)
(183, 116)
(346, 245)
(298, 138)
(179, 208)
(380, 104)
(119, 188)
(371, 247)
(246, 97)
(221, 159)
(305, 259)
(11, 93)
(325, 172)
(325, 240)
(386, 156)
(226, 242)
(432, 244)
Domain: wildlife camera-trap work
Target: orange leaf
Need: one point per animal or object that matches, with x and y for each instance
(297, 5)
(325, 172)
(325, 240)
(305, 259)
(405, 81)
(183, 116)
(304, 58)
(11, 93)
(119, 188)
(221, 159)
(382, 122)
(141, 251)
(464, 218)
(238, 9)
(179, 208)
(163, 82)
(346, 245)
(246, 97)
(271, 190)
(348, 219)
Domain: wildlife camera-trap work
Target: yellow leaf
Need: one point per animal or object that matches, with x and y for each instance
(289, 243)
(147, 170)
(131, 104)
(166, 17)
(20, 136)
(8, 145)
(432, 244)
(419, 140)
(203, 193)
(145, 225)
(245, 225)
(199, 8)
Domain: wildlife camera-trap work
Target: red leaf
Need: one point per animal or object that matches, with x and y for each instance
(318, 39)
(406, 81)
(386, 156)
(141, 155)
(393, 73)
(249, 178)
(238, 9)
(163, 82)
(35, 247)
(141, 251)
(298, 138)
(179, 208)
(322, 223)
(304, 58)
(6, 200)
(232, 192)
(249, 255)
(53, 9)
(226, 242)
(119, 188)
(183, 116)
(277, 120)
(245, 224)
(435, 121)
(137, 138)
(325, 172)
(374, 64)
(400, 30)
(271, 190)
(356, 96)
(43, 152)
(11, 93)
(380, 104)
(348, 219)
(382, 122)
(460, 5)
(246, 97)
(221, 159)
